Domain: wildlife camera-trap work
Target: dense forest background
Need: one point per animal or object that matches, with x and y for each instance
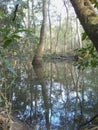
(21, 23)
(49, 30)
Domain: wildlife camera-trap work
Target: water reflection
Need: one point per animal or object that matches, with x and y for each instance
(54, 95)
(39, 70)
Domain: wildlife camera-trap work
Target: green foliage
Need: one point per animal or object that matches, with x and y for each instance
(6, 65)
(2, 15)
(84, 36)
(11, 36)
(10, 39)
(96, 4)
(87, 57)
(9, 68)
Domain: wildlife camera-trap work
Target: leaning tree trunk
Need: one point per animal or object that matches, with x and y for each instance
(88, 19)
(39, 53)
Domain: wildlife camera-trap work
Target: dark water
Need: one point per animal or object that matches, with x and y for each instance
(54, 95)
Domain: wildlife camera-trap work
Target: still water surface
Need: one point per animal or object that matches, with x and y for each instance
(55, 95)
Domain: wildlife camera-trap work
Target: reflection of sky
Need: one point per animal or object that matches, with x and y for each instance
(64, 105)
(59, 103)
(55, 119)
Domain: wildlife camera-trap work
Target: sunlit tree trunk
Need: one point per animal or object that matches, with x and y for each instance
(58, 32)
(50, 31)
(88, 19)
(79, 35)
(39, 53)
(66, 25)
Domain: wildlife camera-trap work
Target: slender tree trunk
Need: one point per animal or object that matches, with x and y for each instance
(58, 33)
(39, 53)
(88, 19)
(79, 35)
(50, 30)
(67, 24)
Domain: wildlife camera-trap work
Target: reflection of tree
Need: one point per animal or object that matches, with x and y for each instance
(60, 100)
(39, 70)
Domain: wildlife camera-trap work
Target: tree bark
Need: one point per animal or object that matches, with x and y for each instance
(39, 53)
(88, 19)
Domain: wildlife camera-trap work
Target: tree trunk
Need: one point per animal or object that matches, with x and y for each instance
(88, 19)
(50, 29)
(39, 53)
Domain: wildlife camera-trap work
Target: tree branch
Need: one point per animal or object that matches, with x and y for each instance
(15, 11)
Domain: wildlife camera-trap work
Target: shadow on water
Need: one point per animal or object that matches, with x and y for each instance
(54, 95)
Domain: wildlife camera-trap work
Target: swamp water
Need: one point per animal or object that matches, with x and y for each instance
(54, 95)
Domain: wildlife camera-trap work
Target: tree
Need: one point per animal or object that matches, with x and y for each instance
(39, 52)
(88, 19)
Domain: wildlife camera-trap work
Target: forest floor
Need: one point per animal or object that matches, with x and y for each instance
(9, 122)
